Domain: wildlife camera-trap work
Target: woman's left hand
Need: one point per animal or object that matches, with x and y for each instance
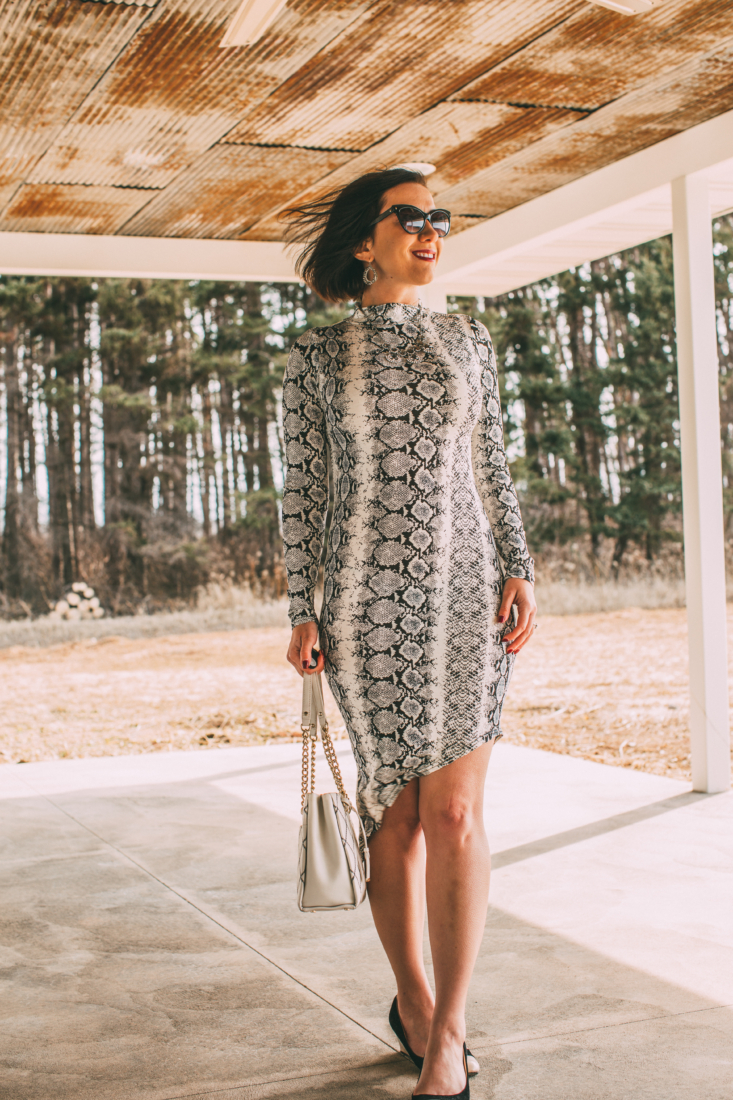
(521, 593)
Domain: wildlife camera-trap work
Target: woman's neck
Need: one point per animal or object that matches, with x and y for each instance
(385, 292)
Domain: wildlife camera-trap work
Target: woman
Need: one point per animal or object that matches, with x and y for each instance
(402, 406)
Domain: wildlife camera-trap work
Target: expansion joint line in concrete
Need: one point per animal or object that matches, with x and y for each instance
(243, 1092)
(612, 1024)
(217, 919)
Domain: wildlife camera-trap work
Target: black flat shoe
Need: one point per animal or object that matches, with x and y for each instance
(396, 1024)
(465, 1094)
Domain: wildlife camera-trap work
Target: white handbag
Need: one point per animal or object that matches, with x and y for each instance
(333, 858)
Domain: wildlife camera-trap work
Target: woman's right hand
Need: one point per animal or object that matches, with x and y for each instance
(304, 638)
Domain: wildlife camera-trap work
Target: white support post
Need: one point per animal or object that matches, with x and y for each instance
(702, 483)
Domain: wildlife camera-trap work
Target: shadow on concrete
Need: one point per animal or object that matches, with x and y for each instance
(543, 845)
(274, 766)
(595, 828)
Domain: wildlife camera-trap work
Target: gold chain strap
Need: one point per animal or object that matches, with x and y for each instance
(314, 740)
(333, 764)
(310, 739)
(306, 765)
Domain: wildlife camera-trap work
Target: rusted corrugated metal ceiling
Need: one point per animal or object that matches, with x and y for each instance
(125, 116)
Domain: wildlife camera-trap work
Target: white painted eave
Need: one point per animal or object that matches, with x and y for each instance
(147, 257)
(619, 206)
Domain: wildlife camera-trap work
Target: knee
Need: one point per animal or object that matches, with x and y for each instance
(408, 829)
(452, 821)
(400, 829)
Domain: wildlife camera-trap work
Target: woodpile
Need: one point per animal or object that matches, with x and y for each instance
(80, 602)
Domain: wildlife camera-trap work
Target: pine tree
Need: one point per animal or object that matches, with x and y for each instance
(177, 384)
(723, 253)
(531, 378)
(643, 373)
(20, 300)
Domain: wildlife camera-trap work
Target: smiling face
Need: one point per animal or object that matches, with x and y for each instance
(403, 261)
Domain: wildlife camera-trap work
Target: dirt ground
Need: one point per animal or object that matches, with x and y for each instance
(608, 687)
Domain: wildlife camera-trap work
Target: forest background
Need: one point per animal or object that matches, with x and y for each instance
(141, 444)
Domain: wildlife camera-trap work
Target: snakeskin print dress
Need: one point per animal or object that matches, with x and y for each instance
(402, 405)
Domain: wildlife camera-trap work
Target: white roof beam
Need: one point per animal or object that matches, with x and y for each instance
(145, 257)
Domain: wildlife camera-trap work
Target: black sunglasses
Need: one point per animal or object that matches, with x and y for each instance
(413, 219)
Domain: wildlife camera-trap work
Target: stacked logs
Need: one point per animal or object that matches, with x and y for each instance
(80, 602)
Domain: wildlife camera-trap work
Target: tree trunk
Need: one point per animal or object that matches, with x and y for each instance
(11, 532)
(86, 495)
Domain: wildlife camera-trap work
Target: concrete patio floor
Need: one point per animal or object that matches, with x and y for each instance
(152, 949)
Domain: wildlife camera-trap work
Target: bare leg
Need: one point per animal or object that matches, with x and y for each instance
(458, 865)
(397, 898)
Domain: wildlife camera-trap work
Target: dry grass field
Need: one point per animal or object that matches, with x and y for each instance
(608, 686)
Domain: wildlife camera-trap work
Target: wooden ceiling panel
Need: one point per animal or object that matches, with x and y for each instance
(229, 190)
(171, 134)
(460, 139)
(175, 92)
(52, 54)
(63, 208)
(392, 64)
(598, 55)
(696, 91)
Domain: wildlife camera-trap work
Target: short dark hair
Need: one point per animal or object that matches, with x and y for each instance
(334, 226)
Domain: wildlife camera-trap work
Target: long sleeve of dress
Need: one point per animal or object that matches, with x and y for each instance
(305, 496)
(491, 469)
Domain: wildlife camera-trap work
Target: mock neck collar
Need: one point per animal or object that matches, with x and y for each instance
(389, 311)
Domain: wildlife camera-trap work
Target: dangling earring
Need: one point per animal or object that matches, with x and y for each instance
(370, 275)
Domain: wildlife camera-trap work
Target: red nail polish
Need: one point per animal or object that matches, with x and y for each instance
(305, 664)
(502, 618)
